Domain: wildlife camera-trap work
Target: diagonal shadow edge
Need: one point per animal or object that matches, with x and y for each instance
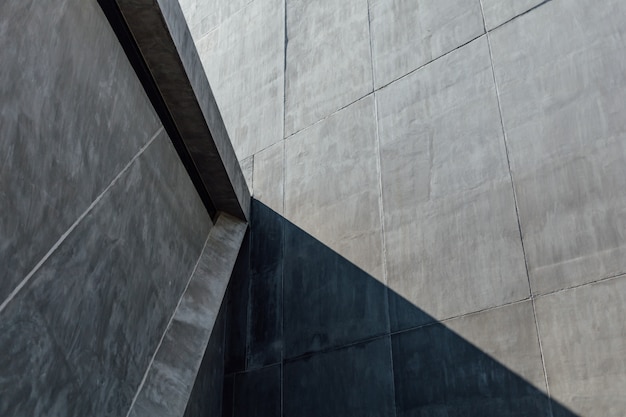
(322, 337)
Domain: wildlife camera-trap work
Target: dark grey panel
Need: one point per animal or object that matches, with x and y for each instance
(110, 288)
(265, 308)
(356, 381)
(257, 393)
(228, 403)
(437, 373)
(34, 377)
(328, 301)
(73, 115)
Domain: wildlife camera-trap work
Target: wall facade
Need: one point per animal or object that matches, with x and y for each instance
(439, 209)
(101, 227)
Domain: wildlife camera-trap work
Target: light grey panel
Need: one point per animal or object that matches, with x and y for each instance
(499, 11)
(109, 290)
(453, 244)
(269, 172)
(328, 59)
(583, 334)
(73, 114)
(562, 91)
(409, 34)
(247, 167)
(244, 62)
(205, 15)
(331, 184)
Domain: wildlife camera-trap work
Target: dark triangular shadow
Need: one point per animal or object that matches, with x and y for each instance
(320, 327)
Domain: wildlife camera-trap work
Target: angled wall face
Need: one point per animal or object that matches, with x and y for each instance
(102, 228)
(467, 155)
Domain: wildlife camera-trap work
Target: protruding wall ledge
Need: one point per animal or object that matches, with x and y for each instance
(156, 38)
(170, 378)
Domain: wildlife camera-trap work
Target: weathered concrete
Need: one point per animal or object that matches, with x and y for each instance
(269, 171)
(328, 63)
(563, 111)
(584, 343)
(162, 36)
(205, 15)
(498, 12)
(63, 104)
(408, 34)
(170, 378)
(449, 207)
(258, 393)
(244, 60)
(332, 166)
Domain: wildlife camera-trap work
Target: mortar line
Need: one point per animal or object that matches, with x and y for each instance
(519, 224)
(74, 225)
(283, 222)
(584, 284)
(169, 324)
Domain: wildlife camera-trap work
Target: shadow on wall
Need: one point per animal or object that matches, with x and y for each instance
(337, 342)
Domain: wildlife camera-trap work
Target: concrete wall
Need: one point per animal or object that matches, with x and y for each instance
(101, 227)
(468, 157)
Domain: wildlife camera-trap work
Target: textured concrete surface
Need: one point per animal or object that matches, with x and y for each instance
(270, 172)
(584, 343)
(498, 12)
(449, 206)
(332, 166)
(161, 34)
(170, 378)
(328, 59)
(244, 59)
(355, 381)
(408, 34)
(563, 110)
(205, 15)
(63, 104)
(257, 393)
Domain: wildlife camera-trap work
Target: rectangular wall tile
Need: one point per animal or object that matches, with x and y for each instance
(499, 11)
(328, 59)
(331, 185)
(258, 393)
(491, 367)
(560, 86)
(244, 62)
(355, 381)
(73, 115)
(109, 290)
(328, 302)
(448, 201)
(269, 172)
(409, 34)
(583, 335)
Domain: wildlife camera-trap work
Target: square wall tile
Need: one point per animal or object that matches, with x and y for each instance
(583, 334)
(563, 102)
(450, 222)
(328, 59)
(409, 34)
(331, 184)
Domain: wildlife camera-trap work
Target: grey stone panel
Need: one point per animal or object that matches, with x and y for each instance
(437, 373)
(110, 288)
(328, 59)
(205, 15)
(331, 184)
(448, 200)
(583, 334)
(328, 302)
(244, 60)
(35, 380)
(247, 167)
(498, 12)
(355, 381)
(563, 110)
(258, 393)
(269, 171)
(73, 115)
(264, 338)
(409, 34)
